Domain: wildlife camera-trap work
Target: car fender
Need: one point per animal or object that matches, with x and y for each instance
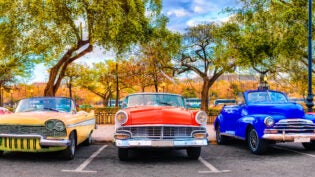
(255, 121)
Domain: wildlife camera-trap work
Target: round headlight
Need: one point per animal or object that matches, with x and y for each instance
(269, 121)
(121, 117)
(201, 117)
(50, 125)
(59, 126)
(55, 125)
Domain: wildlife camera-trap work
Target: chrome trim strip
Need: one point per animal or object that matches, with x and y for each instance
(233, 136)
(161, 143)
(288, 136)
(83, 123)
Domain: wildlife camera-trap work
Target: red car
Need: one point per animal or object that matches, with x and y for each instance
(159, 120)
(4, 111)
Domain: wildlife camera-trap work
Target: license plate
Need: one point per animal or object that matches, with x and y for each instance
(162, 143)
(302, 140)
(140, 143)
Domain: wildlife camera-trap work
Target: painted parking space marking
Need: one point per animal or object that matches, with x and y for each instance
(298, 152)
(211, 168)
(80, 168)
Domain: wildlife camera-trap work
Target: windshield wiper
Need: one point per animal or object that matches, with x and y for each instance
(51, 109)
(165, 103)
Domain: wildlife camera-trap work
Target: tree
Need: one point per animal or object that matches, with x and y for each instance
(209, 52)
(274, 36)
(157, 53)
(72, 73)
(96, 79)
(61, 31)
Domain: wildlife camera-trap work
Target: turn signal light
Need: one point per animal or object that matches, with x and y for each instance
(200, 135)
(121, 136)
(270, 131)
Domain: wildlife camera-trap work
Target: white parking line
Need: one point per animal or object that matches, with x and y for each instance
(282, 148)
(80, 169)
(211, 167)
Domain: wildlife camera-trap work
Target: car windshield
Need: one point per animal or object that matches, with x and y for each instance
(154, 100)
(56, 104)
(266, 97)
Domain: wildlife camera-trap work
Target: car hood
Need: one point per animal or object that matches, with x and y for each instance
(160, 115)
(288, 110)
(31, 118)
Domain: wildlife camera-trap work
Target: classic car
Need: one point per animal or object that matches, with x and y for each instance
(4, 111)
(159, 120)
(265, 117)
(193, 102)
(44, 124)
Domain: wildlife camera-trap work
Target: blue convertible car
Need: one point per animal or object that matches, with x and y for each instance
(265, 117)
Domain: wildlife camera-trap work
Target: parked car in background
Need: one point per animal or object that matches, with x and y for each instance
(223, 102)
(159, 120)
(265, 117)
(44, 124)
(193, 102)
(4, 111)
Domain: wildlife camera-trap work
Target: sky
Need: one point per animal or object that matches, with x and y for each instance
(181, 13)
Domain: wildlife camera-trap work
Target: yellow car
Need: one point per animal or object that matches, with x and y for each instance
(45, 124)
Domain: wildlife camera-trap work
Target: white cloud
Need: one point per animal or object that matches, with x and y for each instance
(203, 6)
(178, 13)
(198, 9)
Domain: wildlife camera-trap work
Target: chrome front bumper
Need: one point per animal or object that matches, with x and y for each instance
(42, 142)
(160, 143)
(290, 137)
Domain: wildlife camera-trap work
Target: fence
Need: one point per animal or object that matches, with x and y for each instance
(109, 118)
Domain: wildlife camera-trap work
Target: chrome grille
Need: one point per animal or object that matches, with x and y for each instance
(26, 130)
(160, 132)
(7, 143)
(295, 126)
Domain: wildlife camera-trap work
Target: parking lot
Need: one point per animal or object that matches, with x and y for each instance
(101, 160)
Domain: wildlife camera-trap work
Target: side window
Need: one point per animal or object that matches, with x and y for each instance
(240, 98)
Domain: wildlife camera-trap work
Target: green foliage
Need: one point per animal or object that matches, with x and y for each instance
(274, 36)
(214, 111)
(209, 51)
(57, 32)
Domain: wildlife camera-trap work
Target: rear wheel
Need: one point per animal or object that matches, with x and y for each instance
(123, 154)
(309, 146)
(193, 152)
(256, 145)
(1, 153)
(69, 153)
(221, 139)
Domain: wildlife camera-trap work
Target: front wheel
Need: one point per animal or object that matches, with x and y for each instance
(309, 146)
(256, 145)
(193, 152)
(69, 153)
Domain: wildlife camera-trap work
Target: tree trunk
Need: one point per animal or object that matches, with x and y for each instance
(57, 72)
(205, 95)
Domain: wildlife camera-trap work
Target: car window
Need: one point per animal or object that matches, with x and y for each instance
(154, 100)
(45, 104)
(266, 96)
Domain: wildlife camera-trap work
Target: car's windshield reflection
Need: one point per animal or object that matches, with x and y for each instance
(154, 100)
(56, 104)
